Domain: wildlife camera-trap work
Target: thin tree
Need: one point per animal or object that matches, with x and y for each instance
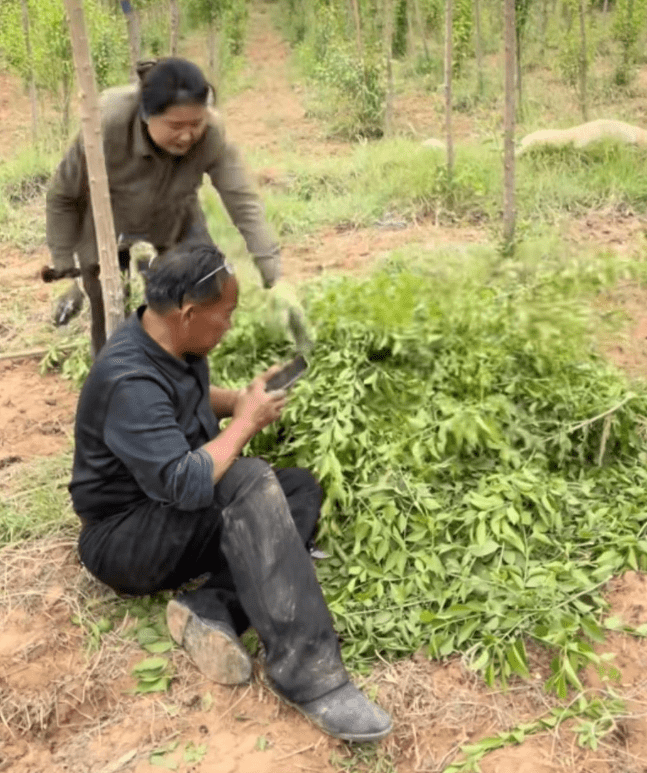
(522, 12)
(583, 61)
(478, 44)
(509, 215)
(134, 36)
(175, 26)
(99, 190)
(32, 77)
(421, 27)
(358, 28)
(388, 53)
(449, 139)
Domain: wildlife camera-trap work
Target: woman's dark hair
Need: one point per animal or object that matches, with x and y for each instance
(194, 271)
(171, 81)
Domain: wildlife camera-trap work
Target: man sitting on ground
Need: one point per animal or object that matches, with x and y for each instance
(165, 497)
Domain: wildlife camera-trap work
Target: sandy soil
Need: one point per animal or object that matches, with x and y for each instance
(65, 700)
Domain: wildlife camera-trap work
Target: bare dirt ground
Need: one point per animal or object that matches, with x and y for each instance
(65, 700)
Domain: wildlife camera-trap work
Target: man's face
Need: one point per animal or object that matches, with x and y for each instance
(178, 128)
(206, 323)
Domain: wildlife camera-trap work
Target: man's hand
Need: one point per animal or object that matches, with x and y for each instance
(256, 407)
(288, 309)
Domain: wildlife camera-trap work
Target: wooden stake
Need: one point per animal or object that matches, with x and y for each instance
(99, 191)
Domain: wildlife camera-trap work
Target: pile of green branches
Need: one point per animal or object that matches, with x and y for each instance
(484, 468)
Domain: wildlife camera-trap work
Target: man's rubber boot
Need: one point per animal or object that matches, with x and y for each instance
(211, 644)
(276, 583)
(344, 713)
(348, 714)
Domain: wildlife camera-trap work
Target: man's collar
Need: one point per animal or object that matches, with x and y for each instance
(157, 352)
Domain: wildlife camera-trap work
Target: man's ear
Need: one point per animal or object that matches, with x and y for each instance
(187, 312)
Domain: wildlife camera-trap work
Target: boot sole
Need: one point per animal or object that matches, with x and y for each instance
(217, 654)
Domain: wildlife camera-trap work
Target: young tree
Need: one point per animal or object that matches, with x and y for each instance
(583, 61)
(509, 32)
(174, 11)
(421, 27)
(388, 53)
(134, 36)
(31, 77)
(42, 47)
(522, 12)
(358, 28)
(478, 45)
(97, 175)
(449, 139)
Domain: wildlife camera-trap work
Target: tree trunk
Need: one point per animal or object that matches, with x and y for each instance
(175, 26)
(449, 140)
(214, 38)
(388, 53)
(32, 81)
(99, 191)
(509, 32)
(411, 41)
(583, 62)
(479, 47)
(421, 27)
(518, 68)
(358, 29)
(544, 25)
(134, 36)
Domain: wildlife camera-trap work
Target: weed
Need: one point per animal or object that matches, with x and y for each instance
(39, 504)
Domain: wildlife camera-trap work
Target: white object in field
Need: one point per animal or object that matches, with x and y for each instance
(432, 143)
(585, 134)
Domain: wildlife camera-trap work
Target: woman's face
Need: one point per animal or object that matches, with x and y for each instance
(178, 128)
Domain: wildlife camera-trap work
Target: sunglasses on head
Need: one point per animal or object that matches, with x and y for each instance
(224, 266)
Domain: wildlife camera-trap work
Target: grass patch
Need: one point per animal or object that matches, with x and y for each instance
(23, 182)
(38, 503)
(401, 179)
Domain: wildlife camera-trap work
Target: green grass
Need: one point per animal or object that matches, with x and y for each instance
(38, 504)
(401, 180)
(23, 181)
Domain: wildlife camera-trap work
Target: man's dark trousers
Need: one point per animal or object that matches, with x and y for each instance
(251, 541)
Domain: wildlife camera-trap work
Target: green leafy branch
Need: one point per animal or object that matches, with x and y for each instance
(598, 717)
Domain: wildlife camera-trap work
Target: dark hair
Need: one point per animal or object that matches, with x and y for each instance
(172, 81)
(194, 271)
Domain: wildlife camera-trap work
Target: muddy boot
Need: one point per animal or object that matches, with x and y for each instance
(276, 584)
(278, 589)
(211, 644)
(348, 714)
(68, 305)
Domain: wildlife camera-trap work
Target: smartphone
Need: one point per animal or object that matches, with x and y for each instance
(288, 374)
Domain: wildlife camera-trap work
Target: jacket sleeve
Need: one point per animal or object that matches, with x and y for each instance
(67, 199)
(142, 432)
(241, 200)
